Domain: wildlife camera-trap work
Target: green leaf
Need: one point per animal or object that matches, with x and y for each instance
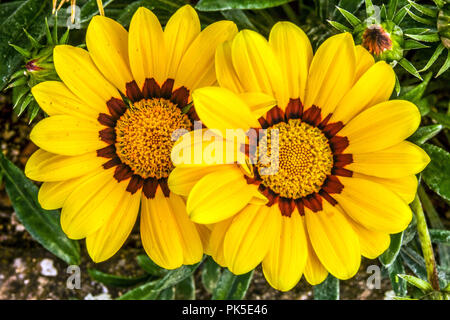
(400, 15)
(434, 57)
(327, 290)
(167, 294)
(351, 18)
(210, 274)
(185, 290)
(441, 118)
(149, 266)
(432, 37)
(421, 19)
(392, 7)
(423, 134)
(232, 287)
(339, 26)
(440, 236)
(413, 44)
(370, 9)
(389, 256)
(415, 94)
(437, 174)
(43, 225)
(150, 290)
(408, 66)
(240, 18)
(417, 282)
(116, 281)
(398, 284)
(217, 5)
(424, 10)
(414, 261)
(445, 66)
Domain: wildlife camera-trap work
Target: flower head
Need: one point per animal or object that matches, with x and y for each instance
(105, 149)
(344, 174)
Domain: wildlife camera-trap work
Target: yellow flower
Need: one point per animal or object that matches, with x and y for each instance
(102, 157)
(345, 174)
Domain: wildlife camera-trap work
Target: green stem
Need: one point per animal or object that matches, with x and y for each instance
(425, 243)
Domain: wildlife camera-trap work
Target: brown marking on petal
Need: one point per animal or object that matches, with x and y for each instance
(324, 122)
(151, 89)
(300, 206)
(338, 144)
(107, 152)
(193, 116)
(313, 202)
(112, 163)
(286, 206)
(269, 194)
(342, 172)
(294, 109)
(327, 197)
(312, 116)
(136, 183)
(123, 172)
(108, 135)
(150, 186)
(133, 92)
(342, 159)
(332, 185)
(106, 120)
(166, 89)
(180, 97)
(332, 129)
(274, 116)
(263, 122)
(164, 187)
(116, 107)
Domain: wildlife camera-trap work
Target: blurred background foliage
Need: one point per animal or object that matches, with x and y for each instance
(418, 259)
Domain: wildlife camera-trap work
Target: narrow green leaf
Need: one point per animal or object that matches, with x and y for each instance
(388, 257)
(24, 104)
(437, 174)
(398, 284)
(439, 236)
(33, 110)
(400, 15)
(417, 282)
(408, 66)
(441, 118)
(217, 5)
(65, 37)
(116, 281)
(339, 26)
(240, 18)
(445, 66)
(424, 10)
(432, 37)
(434, 57)
(24, 52)
(185, 290)
(392, 7)
(48, 34)
(423, 134)
(167, 294)
(397, 86)
(351, 18)
(421, 19)
(414, 261)
(43, 225)
(413, 45)
(370, 10)
(232, 287)
(416, 30)
(33, 41)
(327, 290)
(210, 274)
(415, 94)
(149, 266)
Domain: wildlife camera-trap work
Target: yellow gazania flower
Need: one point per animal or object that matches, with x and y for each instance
(100, 158)
(345, 176)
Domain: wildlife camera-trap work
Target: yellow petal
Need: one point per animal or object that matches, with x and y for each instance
(221, 109)
(180, 31)
(190, 239)
(285, 261)
(258, 102)
(79, 73)
(405, 187)
(56, 99)
(372, 243)
(107, 42)
(250, 237)
(374, 86)
(52, 195)
(159, 232)
(373, 205)
(219, 195)
(146, 47)
(91, 204)
(205, 234)
(381, 126)
(182, 179)
(334, 241)
(315, 272)
(107, 240)
(67, 135)
(331, 73)
(364, 60)
(215, 245)
(257, 67)
(225, 72)
(46, 166)
(294, 52)
(197, 65)
(400, 160)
